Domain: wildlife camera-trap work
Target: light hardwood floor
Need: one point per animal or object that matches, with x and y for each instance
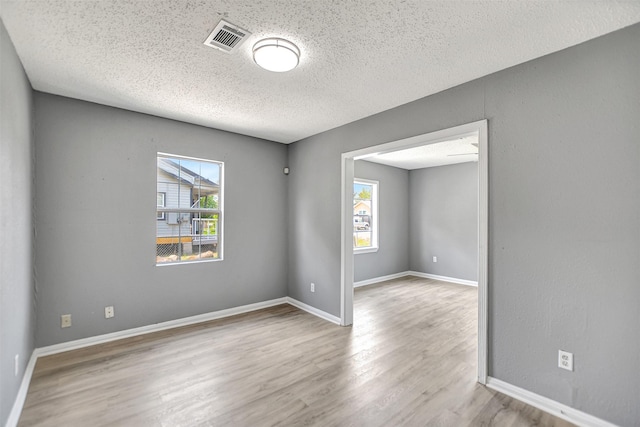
(408, 360)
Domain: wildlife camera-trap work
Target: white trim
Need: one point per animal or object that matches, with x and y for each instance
(443, 278)
(18, 404)
(478, 128)
(198, 261)
(312, 310)
(128, 333)
(365, 250)
(381, 279)
(199, 159)
(558, 409)
(483, 251)
(469, 129)
(346, 237)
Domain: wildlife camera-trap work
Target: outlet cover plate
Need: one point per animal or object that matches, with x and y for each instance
(565, 360)
(109, 312)
(65, 321)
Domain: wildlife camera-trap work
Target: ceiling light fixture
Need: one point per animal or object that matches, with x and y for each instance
(274, 54)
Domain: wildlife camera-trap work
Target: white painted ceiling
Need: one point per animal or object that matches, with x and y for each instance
(359, 57)
(460, 150)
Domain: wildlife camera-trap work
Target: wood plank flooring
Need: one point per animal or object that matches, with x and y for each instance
(409, 360)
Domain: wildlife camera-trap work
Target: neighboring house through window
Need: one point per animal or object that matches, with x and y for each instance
(365, 216)
(189, 209)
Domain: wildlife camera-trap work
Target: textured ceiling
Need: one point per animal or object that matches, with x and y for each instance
(460, 150)
(359, 57)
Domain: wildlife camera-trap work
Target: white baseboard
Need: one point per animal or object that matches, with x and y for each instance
(100, 339)
(16, 410)
(443, 278)
(312, 310)
(380, 279)
(551, 406)
(416, 274)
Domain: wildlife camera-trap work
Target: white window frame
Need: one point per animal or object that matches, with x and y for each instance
(190, 210)
(375, 191)
(160, 216)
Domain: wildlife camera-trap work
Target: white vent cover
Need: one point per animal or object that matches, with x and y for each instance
(226, 36)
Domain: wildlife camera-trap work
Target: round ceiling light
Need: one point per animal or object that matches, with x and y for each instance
(278, 55)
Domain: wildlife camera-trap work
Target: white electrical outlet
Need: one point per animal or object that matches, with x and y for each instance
(313, 287)
(108, 312)
(565, 360)
(65, 321)
(435, 259)
(16, 365)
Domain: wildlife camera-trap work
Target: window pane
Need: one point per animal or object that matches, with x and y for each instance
(362, 239)
(193, 237)
(364, 206)
(188, 184)
(362, 191)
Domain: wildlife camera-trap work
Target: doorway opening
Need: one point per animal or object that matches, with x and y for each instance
(480, 132)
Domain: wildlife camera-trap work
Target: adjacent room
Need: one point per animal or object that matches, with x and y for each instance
(422, 203)
(301, 264)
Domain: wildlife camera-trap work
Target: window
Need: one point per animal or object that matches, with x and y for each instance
(365, 216)
(160, 204)
(188, 210)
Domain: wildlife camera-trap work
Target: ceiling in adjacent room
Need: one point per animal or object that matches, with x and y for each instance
(459, 150)
(358, 57)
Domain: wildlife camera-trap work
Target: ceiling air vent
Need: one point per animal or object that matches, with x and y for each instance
(226, 36)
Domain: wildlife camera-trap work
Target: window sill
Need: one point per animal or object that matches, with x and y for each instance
(364, 251)
(195, 261)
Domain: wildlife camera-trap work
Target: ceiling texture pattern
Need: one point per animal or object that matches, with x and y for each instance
(359, 57)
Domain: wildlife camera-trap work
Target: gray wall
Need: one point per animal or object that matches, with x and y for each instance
(17, 300)
(443, 216)
(564, 229)
(95, 220)
(393, 235)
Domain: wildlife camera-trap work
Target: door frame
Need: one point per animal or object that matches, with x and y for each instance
(479, 128)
